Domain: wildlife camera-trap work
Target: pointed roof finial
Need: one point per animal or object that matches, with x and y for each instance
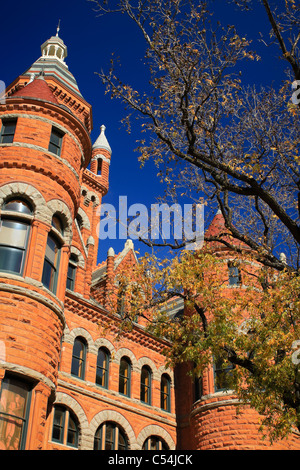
(102, 142)
(58, 28)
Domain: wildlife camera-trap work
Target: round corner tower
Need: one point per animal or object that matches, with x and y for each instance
(45, 147)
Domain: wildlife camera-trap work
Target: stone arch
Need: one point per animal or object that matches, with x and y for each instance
(84, 334)
(73, 405)
(103, 343)
(116, 417)
(154, 430)
(163, 370)
(59, 207)
(66, 337)
(77, 252)
(29, 193)
(85, 220)
(146, 361)
(126, 352)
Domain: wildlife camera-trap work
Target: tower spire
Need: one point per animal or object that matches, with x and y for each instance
(58, 28)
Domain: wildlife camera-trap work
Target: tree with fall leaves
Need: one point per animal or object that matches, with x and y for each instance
(235, 147)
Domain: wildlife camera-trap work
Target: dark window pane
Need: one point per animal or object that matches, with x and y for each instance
(71, 276)
(234, 275)
(102, 369)
(18, 205)
(11, 259)
(72, 432)
(145, 385)
(55, 141)
(56, 223)
(8, 131)
(165, 393)
(58, 425)
(50, 272)
(124, 377)
(48, 276)
(78, 359)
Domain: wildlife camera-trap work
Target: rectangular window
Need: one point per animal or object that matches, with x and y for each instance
(222, 375)
(71, 274)
(56, 139)
(234, 275)
(13, 240)
(8, 131)
(14, 412)
(99, 166)
(51, 262)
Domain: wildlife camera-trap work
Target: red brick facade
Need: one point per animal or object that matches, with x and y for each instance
(67, 382)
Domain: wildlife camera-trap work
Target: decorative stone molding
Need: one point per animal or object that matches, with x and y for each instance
(29, 193)
(146, 361)
(27, 372)
(24, 291)
(102, 157)
(60, 208)
(42, 149)
(70, 338)
(73, 405)
(110, 415)
(154, 430)
(126, 352)
(89, 196)
(75, 251)
(84, 218)
(43, 119)
(103, 343)
(162, 370)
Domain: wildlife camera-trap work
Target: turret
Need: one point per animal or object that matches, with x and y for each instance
(45, 147)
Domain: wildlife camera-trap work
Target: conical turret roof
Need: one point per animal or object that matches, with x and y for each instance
(38, 88)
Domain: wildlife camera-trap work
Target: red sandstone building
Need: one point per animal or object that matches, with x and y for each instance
(64, 383)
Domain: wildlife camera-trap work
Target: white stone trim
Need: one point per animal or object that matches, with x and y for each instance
(126, 352)
(77, 252)
(73, 334)
(103, 343)
(59, 207)
(154, 430)
(29, 193)
(73, 405)
(118, 418)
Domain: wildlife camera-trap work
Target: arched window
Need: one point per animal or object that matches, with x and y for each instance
(65, 429)
(155, 443)
(124, 376)
(146, 385)
(79, 358)
(165, 389)
(52, 256)
(72, 272)
(110, 436)
(102, 368)
(14, 234)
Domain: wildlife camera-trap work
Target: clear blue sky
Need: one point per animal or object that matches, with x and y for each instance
(91, 40)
